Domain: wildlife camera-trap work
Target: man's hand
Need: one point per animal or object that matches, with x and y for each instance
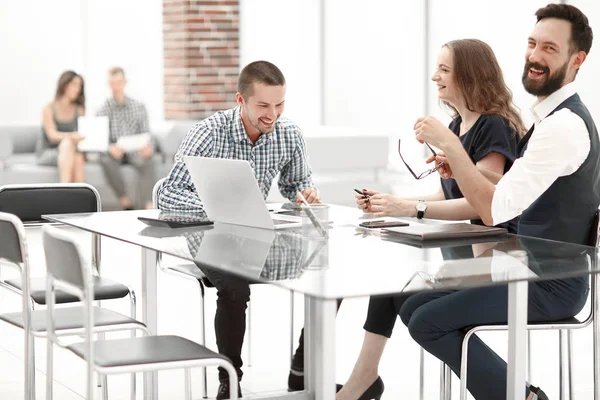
(311, 196)
(444, 170)
(146, 151)
(116, 151)
(431, 130)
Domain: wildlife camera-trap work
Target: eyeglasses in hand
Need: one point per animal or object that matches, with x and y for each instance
(422, 174)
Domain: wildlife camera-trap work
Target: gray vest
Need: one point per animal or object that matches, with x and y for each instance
(566, 210)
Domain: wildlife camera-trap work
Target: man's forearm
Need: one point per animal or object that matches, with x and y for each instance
(475, 187)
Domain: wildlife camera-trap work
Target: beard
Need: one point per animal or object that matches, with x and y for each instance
(552, 83)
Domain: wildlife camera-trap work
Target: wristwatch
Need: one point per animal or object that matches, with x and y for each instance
(421, 207)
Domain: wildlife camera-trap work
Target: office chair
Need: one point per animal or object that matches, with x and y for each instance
(191, 271)
(28, 203)
(68, 320)
(565, 328)
(67, 272)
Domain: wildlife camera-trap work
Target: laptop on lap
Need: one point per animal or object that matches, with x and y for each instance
(230, 194)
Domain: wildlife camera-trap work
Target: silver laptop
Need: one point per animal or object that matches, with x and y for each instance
(96, 132)
(229, 192)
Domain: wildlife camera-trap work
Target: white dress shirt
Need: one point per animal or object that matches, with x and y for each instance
(558, 146)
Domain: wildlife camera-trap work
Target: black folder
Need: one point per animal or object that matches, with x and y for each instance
(444, 231)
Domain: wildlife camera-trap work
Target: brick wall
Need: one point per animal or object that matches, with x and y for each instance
(201, 56)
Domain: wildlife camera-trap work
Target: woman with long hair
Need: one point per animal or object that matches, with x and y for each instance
(58, 144)
(471, 85)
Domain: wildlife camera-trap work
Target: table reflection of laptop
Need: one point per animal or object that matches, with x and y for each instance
(236, 248)
(95, 131)
(229, 193)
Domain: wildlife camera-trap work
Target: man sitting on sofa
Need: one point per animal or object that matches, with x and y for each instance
(126, 117)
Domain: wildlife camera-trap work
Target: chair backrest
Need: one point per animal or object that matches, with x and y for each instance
(11, 244)
(157, 186)
(29, 202)
(63, 260)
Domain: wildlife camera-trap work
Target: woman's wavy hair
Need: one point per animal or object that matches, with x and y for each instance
(64, 80)
(479, 78)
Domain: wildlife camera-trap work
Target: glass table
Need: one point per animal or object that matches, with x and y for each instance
(350, 262)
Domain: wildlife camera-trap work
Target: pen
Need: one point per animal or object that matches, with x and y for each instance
(313, 218)
(365, 196)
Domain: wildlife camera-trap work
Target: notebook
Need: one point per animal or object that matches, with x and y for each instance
(445, 231)
(95, 131)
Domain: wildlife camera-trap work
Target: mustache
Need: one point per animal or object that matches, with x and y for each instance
(537, 66)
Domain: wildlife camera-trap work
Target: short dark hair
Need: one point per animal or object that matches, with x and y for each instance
(259, 71)
(581, 32)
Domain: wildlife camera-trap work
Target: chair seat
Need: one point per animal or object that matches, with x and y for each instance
(68, 318)
(145, 350)
(104, 289)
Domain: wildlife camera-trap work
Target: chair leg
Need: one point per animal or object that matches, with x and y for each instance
(132, 313)
(562, 363)
(443, 381)
(188, 384)
(49, 369)
(104, 380)
(421, 373)
(463, 365)
(570, 363)
(30, 367)
(448, 381)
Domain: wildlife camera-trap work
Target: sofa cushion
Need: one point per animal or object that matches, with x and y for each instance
(24, 138)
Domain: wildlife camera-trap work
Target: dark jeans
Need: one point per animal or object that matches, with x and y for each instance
(233, 294)
(439, 320)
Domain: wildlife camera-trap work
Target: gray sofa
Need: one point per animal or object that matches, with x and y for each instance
(341, 158)
(18, 164)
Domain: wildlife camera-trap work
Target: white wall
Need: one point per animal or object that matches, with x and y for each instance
(374, 73)
(40, 39)
(286, 33)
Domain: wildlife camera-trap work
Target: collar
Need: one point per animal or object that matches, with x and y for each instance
(114, 103)
(540, 110)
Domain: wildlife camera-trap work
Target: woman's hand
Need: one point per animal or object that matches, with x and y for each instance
(386, 205)
(441, 163)
(431, 130)
(363, 202)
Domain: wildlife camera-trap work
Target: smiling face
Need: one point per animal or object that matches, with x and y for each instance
(262, 108)
(117, 84)
(550, 63)
(445, 78)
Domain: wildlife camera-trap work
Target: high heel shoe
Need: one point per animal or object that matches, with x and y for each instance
(373, 392)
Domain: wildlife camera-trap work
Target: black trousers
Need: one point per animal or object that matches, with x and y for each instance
(233, 294)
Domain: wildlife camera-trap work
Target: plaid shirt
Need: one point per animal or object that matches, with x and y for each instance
(284, 261)
(130, 118)
(223, 136)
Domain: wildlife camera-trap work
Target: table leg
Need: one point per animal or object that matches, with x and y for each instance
(517, 340)
(319, 347)
(149, 313)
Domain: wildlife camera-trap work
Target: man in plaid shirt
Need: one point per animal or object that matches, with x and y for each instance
(126, 116)
(254, 132)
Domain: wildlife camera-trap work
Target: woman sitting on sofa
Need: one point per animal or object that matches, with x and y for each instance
(58, 144)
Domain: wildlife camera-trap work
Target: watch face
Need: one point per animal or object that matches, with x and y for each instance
(421, 206)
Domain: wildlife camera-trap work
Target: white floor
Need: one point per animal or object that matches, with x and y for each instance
(179, 314)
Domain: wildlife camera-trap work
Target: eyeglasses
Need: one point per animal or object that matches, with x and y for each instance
(422, 174)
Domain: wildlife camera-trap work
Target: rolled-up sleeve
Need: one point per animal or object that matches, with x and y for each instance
(558, 146)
